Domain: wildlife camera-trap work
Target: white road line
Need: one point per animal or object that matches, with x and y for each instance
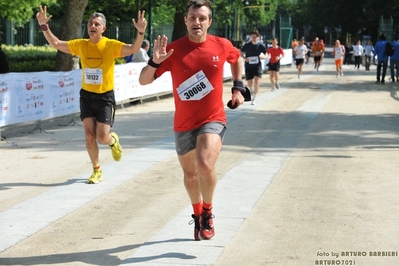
(27, 218)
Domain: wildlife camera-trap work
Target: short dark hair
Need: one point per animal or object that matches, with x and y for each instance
(145, 44)
(198, 4)
(256, 32)
(383, 37)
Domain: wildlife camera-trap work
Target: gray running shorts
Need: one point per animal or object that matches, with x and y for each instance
(186, 141)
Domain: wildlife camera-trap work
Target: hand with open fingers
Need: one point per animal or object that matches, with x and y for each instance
(141, 23)
(159, 53)
(41, 16)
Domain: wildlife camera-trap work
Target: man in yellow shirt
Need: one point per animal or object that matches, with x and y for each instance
(97, 99)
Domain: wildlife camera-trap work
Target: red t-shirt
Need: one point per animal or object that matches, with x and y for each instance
(188, 60)
(274, 52)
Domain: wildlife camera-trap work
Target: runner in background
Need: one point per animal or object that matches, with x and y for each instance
(252, 52)
(300, 52)
(318, 51)
(275, 53)
(339, 53)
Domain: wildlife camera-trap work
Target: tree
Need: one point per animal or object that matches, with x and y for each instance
(179, 29)
(258, 13)
(71, 29)
(21, 11)
(356, 17)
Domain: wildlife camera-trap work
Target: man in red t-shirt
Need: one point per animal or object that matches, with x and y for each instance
(196, 64)
(275, 53)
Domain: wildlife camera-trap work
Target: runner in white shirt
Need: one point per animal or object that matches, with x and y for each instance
(300, 52)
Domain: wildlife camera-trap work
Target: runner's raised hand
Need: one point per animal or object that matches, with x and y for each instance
(41, 15)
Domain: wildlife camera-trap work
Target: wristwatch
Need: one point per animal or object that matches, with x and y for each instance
(44, 27)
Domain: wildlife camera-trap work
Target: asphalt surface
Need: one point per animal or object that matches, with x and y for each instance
(307, 176)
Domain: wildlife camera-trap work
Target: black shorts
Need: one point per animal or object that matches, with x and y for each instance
(317, 58)
(299, 61)
(101, 106)
(251, 72)
(187, 141)
(274, 67)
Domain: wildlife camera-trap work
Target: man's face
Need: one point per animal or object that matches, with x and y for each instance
(95, 27)
(254, 37)
(197, 22)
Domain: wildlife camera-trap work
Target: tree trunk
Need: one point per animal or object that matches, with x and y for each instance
(71, 28)
(179, 29)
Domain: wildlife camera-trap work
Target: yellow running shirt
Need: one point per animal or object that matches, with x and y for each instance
(98, 62)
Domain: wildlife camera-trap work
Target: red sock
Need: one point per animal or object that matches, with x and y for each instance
(207, 206)
(197, 208)
(97, 167)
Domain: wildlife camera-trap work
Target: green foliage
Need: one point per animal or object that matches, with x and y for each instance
(34, 58)
(355, 17)
(256, 13)
(37, 66)
(30, 58)
(163, 15)
(21, 11)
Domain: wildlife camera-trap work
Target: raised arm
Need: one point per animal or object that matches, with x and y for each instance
(50, 37)
(140, 25)
(158, 56)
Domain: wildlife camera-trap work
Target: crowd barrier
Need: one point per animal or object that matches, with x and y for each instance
(34, 96)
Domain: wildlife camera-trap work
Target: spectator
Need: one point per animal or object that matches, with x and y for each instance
(348, 54)
(379, 51)
(357, 53)
(368, 53)
(394, 61)
(141, 55)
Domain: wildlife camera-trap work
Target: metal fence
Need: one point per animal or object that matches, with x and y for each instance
(386, 27)
(286, 32)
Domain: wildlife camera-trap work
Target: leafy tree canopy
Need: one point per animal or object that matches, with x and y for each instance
(21, 11)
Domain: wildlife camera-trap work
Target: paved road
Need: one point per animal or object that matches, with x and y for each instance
(307, 176)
